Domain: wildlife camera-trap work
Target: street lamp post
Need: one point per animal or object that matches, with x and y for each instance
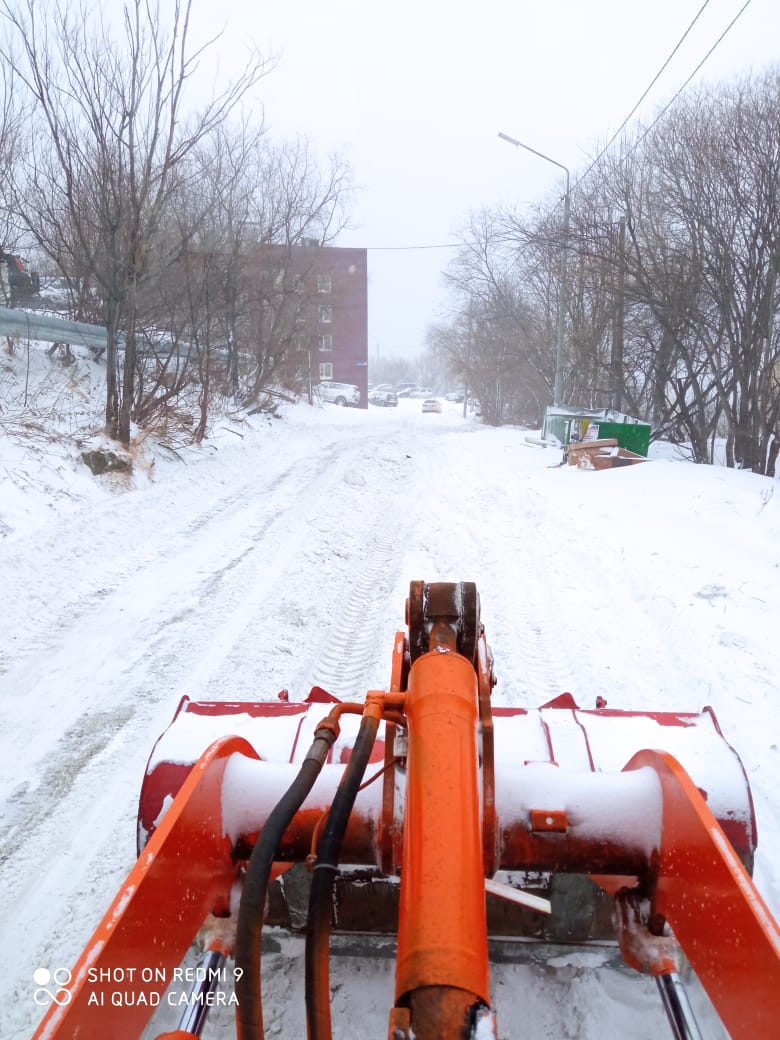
(563, 282)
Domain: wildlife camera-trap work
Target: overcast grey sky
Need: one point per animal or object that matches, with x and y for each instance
(414, 93)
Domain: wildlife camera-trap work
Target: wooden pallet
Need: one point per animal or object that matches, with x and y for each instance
(601, 454)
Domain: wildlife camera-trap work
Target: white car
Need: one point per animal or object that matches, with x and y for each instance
(343, 394)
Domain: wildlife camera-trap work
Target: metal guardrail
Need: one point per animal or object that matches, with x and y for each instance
(51, 329)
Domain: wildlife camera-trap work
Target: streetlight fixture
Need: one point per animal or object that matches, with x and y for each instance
(563, 284)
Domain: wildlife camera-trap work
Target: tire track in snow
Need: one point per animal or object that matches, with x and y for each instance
(315, 548)
(26, 808)
(57, 603)
(544, 668)
(179, 586)
(238, 497)
(351, 648)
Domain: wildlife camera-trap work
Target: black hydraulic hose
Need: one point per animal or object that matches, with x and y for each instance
(677, 1007)
(320, 898)
(249, 1013)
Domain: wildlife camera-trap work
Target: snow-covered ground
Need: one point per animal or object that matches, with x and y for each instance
(279, 554)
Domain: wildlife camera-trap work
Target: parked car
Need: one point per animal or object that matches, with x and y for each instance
(421, 391)
(383, 398)
(431, 405)
(339, 393)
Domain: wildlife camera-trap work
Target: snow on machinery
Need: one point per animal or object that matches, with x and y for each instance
(633, 825)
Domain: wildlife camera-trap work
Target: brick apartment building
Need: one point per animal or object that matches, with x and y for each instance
(325, 289)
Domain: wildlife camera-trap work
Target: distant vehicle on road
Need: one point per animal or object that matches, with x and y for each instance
(383, 398)
(343, 394)
(431, 405)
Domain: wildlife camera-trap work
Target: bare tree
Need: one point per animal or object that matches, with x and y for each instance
(700, 195)
(12, 117)
(731, 202)
(296, 206)
(665, 327)
(500, 340)
(239, 300)
(112, 139)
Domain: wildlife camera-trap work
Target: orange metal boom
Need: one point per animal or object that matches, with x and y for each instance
(716, 913)
(184, 873)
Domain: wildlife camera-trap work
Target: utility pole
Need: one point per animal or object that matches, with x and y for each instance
(468, 361)
(563, 298)
(618, 332)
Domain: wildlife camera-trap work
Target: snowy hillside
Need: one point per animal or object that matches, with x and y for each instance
(279, 554)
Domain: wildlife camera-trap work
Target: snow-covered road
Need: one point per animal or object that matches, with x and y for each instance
(280, 556)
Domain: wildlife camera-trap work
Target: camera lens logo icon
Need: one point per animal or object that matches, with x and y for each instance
(58, 979)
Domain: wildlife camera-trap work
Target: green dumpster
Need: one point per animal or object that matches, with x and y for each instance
(633, 436)
(568, 424)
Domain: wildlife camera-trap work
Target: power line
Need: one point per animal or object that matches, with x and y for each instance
(391, 249)
(652, 83)
(668, 105)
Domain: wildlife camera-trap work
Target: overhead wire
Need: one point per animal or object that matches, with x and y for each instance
(649, 87)
(401, 249)
(608, 145)
(679, 91)
(669, 104)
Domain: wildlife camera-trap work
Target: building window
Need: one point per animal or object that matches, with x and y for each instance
(323, 283)
(326, 342)
(326, 314)
(326, 371)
